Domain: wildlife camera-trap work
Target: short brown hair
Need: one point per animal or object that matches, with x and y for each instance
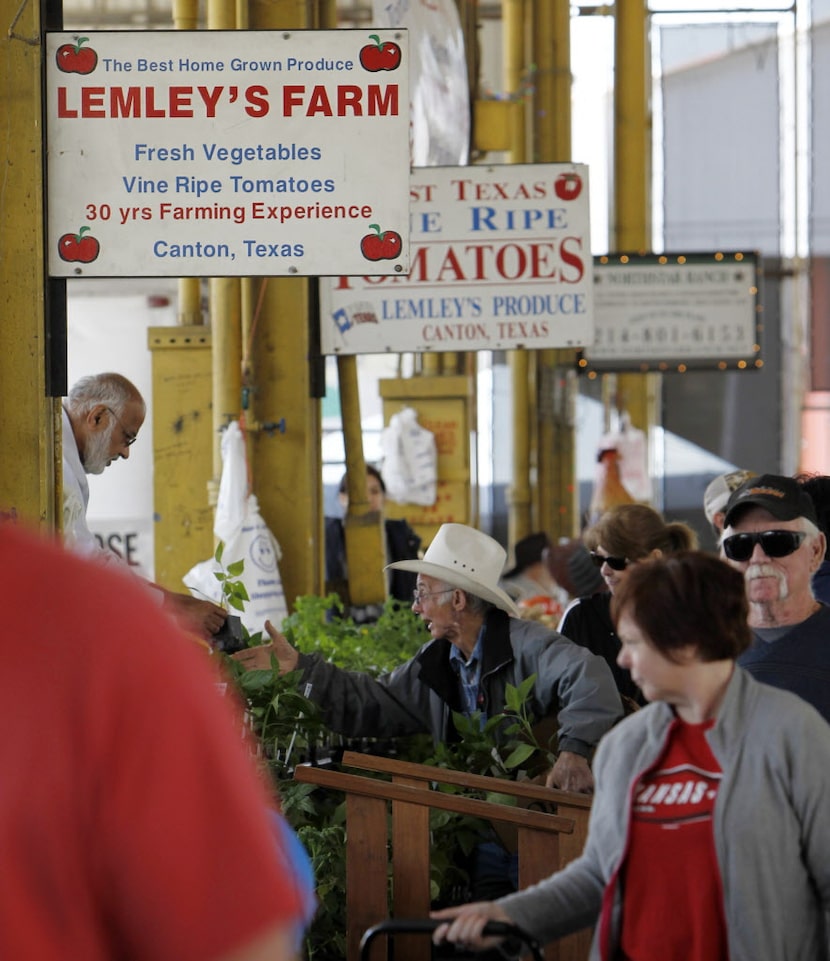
(690, 598)
(635, 530)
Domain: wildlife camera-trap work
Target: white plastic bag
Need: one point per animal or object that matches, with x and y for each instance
(231, 504)
(246, 537)
(410, 460)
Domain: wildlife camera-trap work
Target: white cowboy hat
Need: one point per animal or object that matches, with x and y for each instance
(465, 558)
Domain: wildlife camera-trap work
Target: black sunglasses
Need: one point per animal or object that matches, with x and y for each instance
(739, 547)
(615, 563)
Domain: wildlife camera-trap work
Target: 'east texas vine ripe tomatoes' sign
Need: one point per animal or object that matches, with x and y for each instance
(276, 153)
(501, 258)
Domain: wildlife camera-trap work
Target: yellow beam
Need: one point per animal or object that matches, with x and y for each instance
(226, 327)
(632, 127)
(182, 450)
(514, 76)
(636, 393)
(29, 421)
(515, 73)
(365, 550)
(287, 467)
(556, 493)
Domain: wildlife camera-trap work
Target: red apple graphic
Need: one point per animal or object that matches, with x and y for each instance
(381, 246)
(75, 58)
(75, 248)
(380, 56)
(568, 186)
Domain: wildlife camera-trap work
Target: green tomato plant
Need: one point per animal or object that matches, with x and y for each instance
(234, 592)
(291, 731)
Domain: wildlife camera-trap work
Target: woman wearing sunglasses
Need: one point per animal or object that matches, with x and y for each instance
(709, 838)
(621, 538)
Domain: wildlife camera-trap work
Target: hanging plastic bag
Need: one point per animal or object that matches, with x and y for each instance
(410, 460)
(246, 537)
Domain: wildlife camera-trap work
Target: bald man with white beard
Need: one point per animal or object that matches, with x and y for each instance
(771, 535)
(102, 416)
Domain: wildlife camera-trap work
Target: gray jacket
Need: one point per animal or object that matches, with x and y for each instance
(421, 694)
(771, 827)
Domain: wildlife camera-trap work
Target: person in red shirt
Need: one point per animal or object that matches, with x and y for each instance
(133, 824)
(709, 838)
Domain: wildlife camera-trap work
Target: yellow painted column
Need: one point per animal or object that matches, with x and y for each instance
(632, 127)
(365, 547)
(519, 506)
(225, 295)
(287, 467)
(639, 394)
(186, 17)
(558, 512)
(182, 453)
(30, 423)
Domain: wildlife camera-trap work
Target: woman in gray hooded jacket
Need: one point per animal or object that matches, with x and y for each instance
(709, 837)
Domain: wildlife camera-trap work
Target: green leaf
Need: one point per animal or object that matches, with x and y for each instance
(235, 569)
(217, 554)
(236, 603)
(239, 591)
(519, 755)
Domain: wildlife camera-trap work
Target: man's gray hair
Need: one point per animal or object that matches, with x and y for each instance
(109, 389)
(809, 527)
(477, 605)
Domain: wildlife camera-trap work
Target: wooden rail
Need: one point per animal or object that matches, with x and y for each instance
(547, 839)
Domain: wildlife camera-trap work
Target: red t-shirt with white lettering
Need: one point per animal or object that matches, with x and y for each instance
(672, 894)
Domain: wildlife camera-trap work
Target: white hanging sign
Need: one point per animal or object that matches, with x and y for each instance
(227, 153)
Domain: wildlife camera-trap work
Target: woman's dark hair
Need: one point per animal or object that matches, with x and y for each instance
(635, 530)
(690, 598)
(371, 471)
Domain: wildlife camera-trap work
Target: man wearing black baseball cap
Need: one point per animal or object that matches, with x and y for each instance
(771, 535)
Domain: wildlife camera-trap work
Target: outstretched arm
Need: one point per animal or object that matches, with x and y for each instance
(259, 658)
(195, 615)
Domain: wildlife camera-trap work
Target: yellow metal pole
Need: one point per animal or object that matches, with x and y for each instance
(186, 17)
(514, 70)
(636, 393)
(30, 469)
(287, 467)
(556, 380)
(365, 550)
(632, 127)
(185, 14)
(519, 520)
(225, 310)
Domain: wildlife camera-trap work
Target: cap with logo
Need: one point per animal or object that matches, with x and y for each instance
(783, 497)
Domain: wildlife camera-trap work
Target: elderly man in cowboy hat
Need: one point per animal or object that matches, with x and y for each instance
(476, 650)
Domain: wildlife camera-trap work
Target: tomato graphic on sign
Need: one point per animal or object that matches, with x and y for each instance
(384, 245)
(75, 248)
(568, 186)
(380, 56)
(76, 58)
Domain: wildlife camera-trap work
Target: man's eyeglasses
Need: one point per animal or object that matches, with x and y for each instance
(418, 595)
(615, 563)
(739, 547)
(129, 436)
